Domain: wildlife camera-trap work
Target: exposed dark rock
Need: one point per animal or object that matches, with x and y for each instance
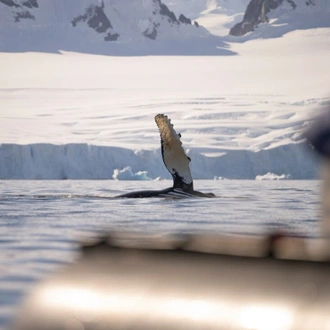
(256, 13)
(111, 37)
(98, 20)
(153, 34)
(185, 20)
(9, 3)
(23, 15)
(95, 18)
(27, 3)
(292, 3)
(30, 4)
(164, 11)
(196, 24)
(241, 28)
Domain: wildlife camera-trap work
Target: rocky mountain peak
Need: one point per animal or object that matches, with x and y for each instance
(258, 12)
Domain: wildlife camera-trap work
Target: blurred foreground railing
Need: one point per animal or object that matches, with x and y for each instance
(187, 282)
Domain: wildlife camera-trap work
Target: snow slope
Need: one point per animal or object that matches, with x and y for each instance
(218, 16)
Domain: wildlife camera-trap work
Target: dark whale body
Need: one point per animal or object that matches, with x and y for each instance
(177, 163)
(168, 192)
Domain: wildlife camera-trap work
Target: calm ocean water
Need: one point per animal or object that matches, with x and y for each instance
(42, 222)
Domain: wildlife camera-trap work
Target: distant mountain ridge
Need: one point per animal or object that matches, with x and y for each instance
(93, 25)
(150, 27)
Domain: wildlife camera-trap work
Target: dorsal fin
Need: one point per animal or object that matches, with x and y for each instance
(174, 157)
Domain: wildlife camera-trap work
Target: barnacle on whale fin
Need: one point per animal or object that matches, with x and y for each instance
(166, 130)
(174, 156)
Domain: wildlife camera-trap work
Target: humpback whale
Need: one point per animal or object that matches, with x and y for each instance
(177, 163)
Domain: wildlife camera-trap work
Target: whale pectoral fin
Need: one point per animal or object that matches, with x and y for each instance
(173, 154)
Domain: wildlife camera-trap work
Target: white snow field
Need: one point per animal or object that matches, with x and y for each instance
(71, 115)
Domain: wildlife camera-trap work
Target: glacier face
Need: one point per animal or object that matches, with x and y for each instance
(44, 161)
(109, 27)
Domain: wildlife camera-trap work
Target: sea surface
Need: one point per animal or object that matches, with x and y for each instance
(43, 222)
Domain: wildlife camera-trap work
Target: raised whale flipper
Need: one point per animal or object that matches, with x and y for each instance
(177, 163)
(174, 157)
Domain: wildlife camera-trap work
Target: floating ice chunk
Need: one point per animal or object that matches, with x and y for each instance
(218, 178)
(127, 174)
(272, 176)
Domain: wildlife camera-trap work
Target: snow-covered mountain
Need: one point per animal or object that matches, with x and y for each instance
(150, 27)
(94, 26)
(218, 16)
(257, 18)
(275, 17)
